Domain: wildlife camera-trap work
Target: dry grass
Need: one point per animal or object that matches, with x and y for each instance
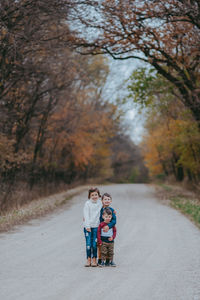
(186, 201)
(37, 208)
(13, 196)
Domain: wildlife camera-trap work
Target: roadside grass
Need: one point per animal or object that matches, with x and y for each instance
(166, 187)
(37, 208)
(188, 207)
(185, 201)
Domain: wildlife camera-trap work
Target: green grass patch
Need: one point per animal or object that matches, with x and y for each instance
(188, 207)
(186, 201)
(165, 187)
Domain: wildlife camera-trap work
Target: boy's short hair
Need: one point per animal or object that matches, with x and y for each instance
(107, 211)
(106, 195)
(92, 190)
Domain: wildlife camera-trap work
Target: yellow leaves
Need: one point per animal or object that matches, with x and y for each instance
(152, 160)
(79, 134)
(82, 148)
(152, 152)
(173, 139)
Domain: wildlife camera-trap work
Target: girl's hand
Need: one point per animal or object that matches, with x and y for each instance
(110, 238)
(105, 228)
(88, 229)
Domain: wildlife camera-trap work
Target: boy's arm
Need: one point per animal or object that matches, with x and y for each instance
(101, 213)
(114, 232)
(99, 235)
(113, 221)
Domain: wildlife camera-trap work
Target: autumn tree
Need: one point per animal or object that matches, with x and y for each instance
(55, 126)
(171, 144)
(78, 131)
(29, 34)
(164, 34)
(172, 148)
(34, 61)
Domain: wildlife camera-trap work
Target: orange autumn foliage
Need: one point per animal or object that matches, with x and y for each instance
(173, 144)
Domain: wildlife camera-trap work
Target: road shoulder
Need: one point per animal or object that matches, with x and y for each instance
(187, 202)
(38, 208)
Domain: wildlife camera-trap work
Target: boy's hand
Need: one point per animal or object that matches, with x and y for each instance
(88, 229)
(110, 238)
(105, 228)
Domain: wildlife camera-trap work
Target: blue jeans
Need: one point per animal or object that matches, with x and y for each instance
(91, 242)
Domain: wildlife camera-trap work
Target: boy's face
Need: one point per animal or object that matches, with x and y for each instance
(94, 196)
(107, 218)
(106, 201)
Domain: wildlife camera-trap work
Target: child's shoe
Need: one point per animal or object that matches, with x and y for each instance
(102, 264)
(107, 263)
(88, 263)
(99, 261)
(94, 262)
(112, 264)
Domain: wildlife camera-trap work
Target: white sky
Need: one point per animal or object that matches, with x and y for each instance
(120, 70)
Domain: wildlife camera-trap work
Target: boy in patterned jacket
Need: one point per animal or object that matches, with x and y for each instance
(106, 202)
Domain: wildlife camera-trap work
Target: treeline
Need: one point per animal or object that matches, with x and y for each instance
(165, 36)
(171, 144)
(55, 127)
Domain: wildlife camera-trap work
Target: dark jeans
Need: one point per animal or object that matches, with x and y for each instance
(91, 242)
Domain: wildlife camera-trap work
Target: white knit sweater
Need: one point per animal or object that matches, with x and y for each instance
(91, 213)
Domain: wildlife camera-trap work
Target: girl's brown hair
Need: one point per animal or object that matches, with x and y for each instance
(92, 190)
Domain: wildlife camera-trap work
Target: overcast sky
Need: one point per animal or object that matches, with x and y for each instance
(120, 70)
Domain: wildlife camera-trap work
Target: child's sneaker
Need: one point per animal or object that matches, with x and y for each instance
(112, 264)
(102, 264)
(107, 263)
(99, 261)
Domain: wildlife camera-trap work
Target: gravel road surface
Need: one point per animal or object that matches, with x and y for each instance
(157, 252)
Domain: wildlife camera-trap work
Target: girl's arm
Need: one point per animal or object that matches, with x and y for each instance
(101, 213)
(86, 215)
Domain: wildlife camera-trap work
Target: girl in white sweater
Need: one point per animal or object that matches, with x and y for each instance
(91, 213)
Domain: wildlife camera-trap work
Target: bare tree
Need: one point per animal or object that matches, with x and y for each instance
(165, 34)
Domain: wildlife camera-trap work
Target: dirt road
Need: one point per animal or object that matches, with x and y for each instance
(157, 252)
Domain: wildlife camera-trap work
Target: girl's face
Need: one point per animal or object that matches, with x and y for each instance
(106, 201)
(94, 196)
